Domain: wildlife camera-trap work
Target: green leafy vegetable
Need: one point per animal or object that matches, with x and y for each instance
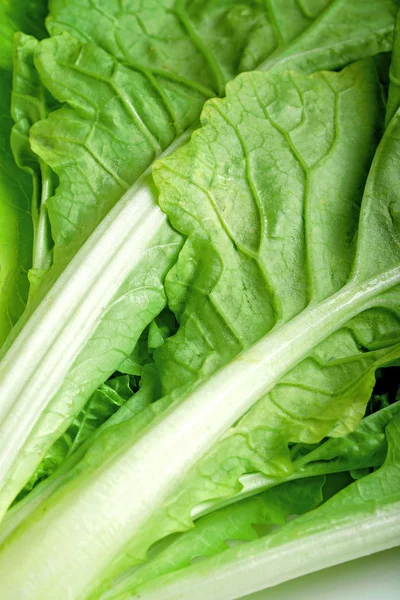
(339, 32)
(268, 276)
(363, 449)
(117, 392)
(394, 87)
(15, 187)
(94, 293)
(361, 519)
(15, 222)
(326, 318)
(24, 15)
(29, 105)
(99, 408)
(237, 523)
(204, 330)
(126, 103)
(153, 95)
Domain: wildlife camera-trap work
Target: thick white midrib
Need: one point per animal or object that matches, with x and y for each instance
(57, 310)
(34, 367)
(43, 383)
(61, 304)
(161, 457)
(260, 567)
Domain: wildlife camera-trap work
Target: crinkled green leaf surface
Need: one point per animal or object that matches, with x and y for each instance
(28, 102)
(115, 120)
(268, 276)
(238, 245)
(340, 32)
(140, 409)
(340, 371)
(124, 317)
(162, 60)
(363, 449)
(314, 33)
(153, 94)
(127, 101)
(91, 161)
(113, 401)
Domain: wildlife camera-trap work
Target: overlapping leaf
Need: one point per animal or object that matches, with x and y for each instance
(237, 523)
(15, 187)
(127, 104)
(124, 103)
(274, 229)
(15, 222)
(30, 104)
(357, 452)
(326, 394)
(352, 518)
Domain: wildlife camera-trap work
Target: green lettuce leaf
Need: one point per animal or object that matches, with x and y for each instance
(138, 114)
(241, 522)
(106, 400)
(15, 187)
(127, 101)
(139, 409)
(325, 304)
(29, 105)
(362, 518)
(327, 393)
(20, 15)
(361, 451)
(15, 222)
(393, 102)
(340, 32)
(141, 379)
(267, 276)
(232, 36)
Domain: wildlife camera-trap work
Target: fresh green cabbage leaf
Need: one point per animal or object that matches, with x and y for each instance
(15, 187)
(362, 518)
(101, 304)
(324, 314)
(364, 449)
